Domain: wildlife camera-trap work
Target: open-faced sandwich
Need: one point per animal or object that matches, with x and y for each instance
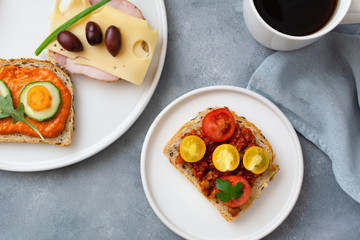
(111, 43)
(226, 157)
(36, 102)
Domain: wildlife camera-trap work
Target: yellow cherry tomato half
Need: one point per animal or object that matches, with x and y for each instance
(226, 157)
(256, 160)
(38, 97)
(192, 148)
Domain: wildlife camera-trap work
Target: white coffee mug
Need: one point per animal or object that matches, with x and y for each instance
(347, 11)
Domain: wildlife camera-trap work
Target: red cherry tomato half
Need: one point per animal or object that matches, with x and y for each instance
(219, 124)
(239, 201)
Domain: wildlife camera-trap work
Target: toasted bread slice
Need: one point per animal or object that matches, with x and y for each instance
(65, 138)
(171, 151)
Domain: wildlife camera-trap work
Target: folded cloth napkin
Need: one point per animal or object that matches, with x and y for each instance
(318, 89)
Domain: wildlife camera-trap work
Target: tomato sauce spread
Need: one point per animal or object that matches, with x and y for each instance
(205, 171)
(16, 78)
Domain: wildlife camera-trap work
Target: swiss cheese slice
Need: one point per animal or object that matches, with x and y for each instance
(133, 60)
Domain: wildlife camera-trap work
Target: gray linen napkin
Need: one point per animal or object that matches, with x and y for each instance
(318, 89)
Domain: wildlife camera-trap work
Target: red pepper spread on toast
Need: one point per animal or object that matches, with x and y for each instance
(16, 78)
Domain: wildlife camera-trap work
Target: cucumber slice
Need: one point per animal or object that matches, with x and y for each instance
(4, 90)
(46, 113)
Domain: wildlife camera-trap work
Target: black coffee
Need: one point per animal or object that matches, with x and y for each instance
(296, 17)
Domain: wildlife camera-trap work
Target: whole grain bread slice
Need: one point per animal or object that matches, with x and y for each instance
(65, 138)
(171, 151)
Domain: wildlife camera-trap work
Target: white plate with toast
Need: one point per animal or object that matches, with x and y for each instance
(178, 203)
(103, 111)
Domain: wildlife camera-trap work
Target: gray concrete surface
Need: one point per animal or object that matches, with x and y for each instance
(102, 197)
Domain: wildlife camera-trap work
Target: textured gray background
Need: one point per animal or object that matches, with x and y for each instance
(103, 198)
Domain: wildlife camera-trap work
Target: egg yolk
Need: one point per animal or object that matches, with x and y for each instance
(38, 97)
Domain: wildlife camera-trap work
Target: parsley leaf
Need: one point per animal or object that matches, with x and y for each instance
(228, 192)
(7, 110)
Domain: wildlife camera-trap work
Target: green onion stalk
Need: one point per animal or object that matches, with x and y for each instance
(68, 23)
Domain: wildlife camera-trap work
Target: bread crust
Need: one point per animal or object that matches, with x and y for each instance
(65, 138)
(171, 151)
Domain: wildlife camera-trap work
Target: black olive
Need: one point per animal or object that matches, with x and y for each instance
(93, 33)
(69, 41)
(113, 40)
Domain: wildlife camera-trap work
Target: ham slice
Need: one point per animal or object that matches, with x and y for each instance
(92, 72)
(123, 5)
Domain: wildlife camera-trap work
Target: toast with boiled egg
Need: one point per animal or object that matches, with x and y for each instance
(223, 150)
(45, 92)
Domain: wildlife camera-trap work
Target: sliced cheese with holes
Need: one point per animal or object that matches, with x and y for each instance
(137, 36)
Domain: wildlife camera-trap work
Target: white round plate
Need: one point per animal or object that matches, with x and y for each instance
(103, 111)
(186, 211)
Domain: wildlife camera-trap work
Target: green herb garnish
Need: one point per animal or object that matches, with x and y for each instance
(7, 110)
(228, 192)
(68, 23)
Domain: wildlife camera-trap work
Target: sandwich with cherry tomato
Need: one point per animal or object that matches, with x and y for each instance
(226, 157)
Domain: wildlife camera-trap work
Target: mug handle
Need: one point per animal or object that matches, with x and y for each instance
(353, 14)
